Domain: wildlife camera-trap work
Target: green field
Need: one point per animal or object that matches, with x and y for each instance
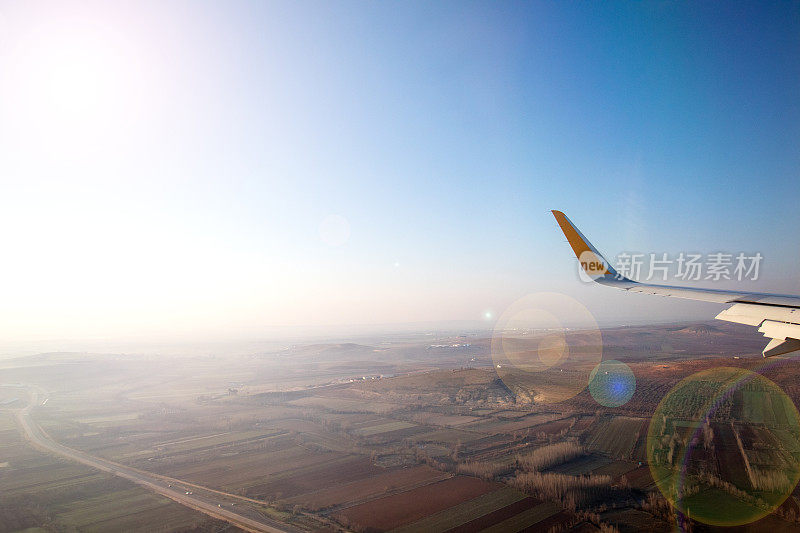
(721, 508)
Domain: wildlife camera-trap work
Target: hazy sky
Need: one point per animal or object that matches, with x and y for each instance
(218, 168)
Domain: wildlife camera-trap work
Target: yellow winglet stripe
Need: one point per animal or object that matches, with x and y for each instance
(578, 244)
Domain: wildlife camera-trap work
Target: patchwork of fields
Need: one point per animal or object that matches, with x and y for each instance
(431, 449)
(362, 469)
(38, 489)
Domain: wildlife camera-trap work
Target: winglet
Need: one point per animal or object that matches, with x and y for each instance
(592, 261)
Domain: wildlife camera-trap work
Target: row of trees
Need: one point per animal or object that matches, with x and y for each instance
(561, 487)
(547, 456)
(483, 469)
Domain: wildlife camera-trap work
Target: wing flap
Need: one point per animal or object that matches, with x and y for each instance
(754, 315)
(780, 330)
(780, 347)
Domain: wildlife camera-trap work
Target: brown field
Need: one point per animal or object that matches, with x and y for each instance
(396, 510)
(437, 419)
(585, 527)
(448, 436)
(395, 436)
(581, 466)
(616, 469)
(355, 421)
(617, 436)
(584, 423)
(640, 478)
(510, 426)
(509, 414)
(383, 427)
(553, 428)
(428, 381)
(350, 493)
(630, 520)
(543, 517)
(299, 481)
(500, 515)
(729, 459)
(465, 512)
(640, 450)
(492, 441)
(243, 470)
(345, 405)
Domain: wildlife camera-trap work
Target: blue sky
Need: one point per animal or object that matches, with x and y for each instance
(171, 170)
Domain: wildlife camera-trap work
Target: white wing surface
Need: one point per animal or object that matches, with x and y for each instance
(777, 316)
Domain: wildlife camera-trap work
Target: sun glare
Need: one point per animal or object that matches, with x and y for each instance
(76, 78)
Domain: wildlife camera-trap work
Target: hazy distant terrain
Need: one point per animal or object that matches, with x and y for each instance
(414, 432)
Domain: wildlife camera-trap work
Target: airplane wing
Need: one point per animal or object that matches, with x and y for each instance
(776, 315)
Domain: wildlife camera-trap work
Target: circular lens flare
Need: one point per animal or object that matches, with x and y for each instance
(612, 383)
(723, 446)
(545, 346)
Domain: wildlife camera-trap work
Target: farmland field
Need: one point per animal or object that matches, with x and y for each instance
(465, 512)
(509, 426)
(634, 520)
(37, 488)
(349, 493)
(344, 404)
(448, 436)
(404, 441)
(437, 419)
(383, 428)
(400, 509)
(640, 478)
(520, 521)
(335, 471)
(247, 469)
(581, 465)
(617, 436)
(555, 427)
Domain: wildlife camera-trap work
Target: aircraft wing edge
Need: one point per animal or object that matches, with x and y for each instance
(776, 315)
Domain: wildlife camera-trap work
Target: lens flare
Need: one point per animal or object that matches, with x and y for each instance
(724, 446)
(545, 346)
(612, 383)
